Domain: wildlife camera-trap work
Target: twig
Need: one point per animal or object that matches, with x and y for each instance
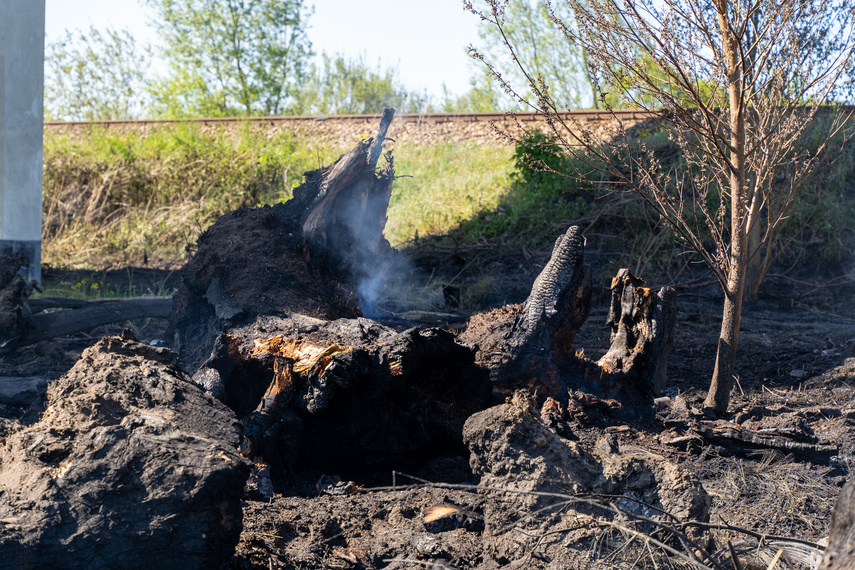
(757, 535)
(774, 393)
(733, 557)
(662, 545)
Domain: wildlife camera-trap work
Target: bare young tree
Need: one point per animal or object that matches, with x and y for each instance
(750, 91)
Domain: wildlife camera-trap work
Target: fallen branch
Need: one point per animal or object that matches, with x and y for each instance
(94, 314)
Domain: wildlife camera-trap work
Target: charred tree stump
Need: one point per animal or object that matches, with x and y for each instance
(531, 345)
(254, 319)
(344, 394)
(524, 345)
(15, 310)
(642, 324)
(315, 254)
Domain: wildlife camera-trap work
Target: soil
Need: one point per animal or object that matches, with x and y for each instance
(795, 371)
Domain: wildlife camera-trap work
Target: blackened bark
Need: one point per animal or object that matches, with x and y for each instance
(15, 312)
(532, 345)
(308, 255)
(642, 324)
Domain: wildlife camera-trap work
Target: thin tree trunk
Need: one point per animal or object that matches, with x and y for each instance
(718, 396)
(754, 273)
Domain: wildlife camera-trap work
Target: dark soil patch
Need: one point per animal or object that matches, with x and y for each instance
(792, 362)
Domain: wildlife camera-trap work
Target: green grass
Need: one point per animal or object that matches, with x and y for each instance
(117, 198)
(438, 188)
(88, 288)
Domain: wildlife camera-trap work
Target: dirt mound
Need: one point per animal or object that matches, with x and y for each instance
(513, 449)
(130, 465)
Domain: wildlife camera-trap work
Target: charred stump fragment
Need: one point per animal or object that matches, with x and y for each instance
(525, 345)
(315, 254)
(642, 324)
(531, 345)
(352, 392)
(15, 312)
(24, 321)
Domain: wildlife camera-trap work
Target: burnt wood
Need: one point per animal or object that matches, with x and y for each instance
(308, 255)
(347, 394)
(531, 345)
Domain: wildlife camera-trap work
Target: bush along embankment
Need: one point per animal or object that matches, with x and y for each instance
(480, 218)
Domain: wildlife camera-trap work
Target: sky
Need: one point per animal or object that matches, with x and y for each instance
(425, 39)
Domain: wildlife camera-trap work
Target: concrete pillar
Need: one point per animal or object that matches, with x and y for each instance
(22, 56)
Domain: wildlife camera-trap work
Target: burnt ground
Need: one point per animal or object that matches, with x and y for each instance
(792, 364)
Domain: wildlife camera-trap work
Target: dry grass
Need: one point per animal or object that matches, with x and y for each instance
(119, 198)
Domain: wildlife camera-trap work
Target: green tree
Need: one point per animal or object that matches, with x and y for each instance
(543, 50)
(483, 97)
(230, 57)
(92, 76)
(342, 86)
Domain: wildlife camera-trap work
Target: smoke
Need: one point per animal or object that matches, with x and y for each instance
(387, 282)
(370, 290)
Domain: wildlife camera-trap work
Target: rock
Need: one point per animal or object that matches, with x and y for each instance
(130, 465)
(510, 448)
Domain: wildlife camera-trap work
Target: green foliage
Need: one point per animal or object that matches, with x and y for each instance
(542, 49)
(546, 192)
(818, 236)
(440, 187)
(230, 57)
(342, 86)
(93, 76)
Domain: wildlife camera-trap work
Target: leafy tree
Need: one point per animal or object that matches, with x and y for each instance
(542, 49)
(92, 76)
(743, 86)
(231, 57)
(341, 86)
(483, 97)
